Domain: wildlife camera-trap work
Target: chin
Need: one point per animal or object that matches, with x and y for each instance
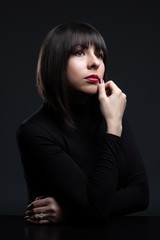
(91, 90)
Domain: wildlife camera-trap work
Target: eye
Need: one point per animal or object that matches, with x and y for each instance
(78, 53)
(100, 55)
(79, 50)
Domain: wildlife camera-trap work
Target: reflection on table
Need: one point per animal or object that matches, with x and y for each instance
(129, 227)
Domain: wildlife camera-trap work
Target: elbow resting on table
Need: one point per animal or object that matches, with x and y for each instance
(141, 200)
(143, 196)
(145, 200)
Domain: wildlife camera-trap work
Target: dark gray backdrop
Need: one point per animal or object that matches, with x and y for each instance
(132, 36)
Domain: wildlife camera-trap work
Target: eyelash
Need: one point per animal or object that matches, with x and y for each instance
(80, 52)
(100, 55)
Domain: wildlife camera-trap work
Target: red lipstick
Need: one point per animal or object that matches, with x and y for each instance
(93, 78)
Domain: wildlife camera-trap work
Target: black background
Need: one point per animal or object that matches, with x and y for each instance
(132, 36)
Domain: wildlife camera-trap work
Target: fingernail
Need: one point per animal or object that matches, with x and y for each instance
(27, 212)
(41, 197)
(100, 80)
(28, 207)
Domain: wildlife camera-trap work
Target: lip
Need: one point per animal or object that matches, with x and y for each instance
(93, 78)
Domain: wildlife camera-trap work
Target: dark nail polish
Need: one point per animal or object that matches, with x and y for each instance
(100, 80)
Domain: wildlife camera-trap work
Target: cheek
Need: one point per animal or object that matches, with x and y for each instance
(71, 73)
(73, 69)
(103, 69)
(75, 66)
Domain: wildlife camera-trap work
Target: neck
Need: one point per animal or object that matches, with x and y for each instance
(78, 98)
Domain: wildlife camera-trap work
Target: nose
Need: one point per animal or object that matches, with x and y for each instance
(93, 62)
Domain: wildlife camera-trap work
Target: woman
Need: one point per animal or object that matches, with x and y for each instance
(79, 156)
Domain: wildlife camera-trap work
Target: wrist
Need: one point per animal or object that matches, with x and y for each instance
(114, 128)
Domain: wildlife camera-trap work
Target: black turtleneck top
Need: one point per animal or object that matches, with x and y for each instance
(92, 174)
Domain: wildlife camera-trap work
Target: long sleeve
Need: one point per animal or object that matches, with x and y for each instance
(133, 194)
(91, 176)
(63, 179)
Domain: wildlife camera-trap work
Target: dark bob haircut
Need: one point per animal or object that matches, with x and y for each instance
(53, 59)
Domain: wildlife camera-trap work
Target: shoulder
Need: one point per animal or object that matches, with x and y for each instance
(41, 123)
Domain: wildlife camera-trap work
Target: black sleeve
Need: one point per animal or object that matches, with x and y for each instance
(79, 195)
(134, 195)
(95, 197)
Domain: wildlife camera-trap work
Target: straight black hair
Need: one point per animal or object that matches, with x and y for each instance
(53, 59)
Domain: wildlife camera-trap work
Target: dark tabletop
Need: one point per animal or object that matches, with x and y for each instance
(128, 227)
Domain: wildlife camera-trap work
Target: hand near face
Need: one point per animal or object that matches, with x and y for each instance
(112, 105)
(44, 211)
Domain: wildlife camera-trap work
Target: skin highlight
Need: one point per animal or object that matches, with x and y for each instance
(82, 63)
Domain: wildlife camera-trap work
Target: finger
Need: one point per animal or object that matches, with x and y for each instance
(125, 96)
(37, 203)
(45, 216)
(37, 217)
(110, 85)
(41, 202)
(37, 210)
(102, 91)
(37, 198)
(45, 221)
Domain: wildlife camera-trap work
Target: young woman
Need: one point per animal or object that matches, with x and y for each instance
(80, 160)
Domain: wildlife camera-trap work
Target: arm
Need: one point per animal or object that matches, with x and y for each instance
(134, 196)
(77, 195)
(46, 157)
(91, 197)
